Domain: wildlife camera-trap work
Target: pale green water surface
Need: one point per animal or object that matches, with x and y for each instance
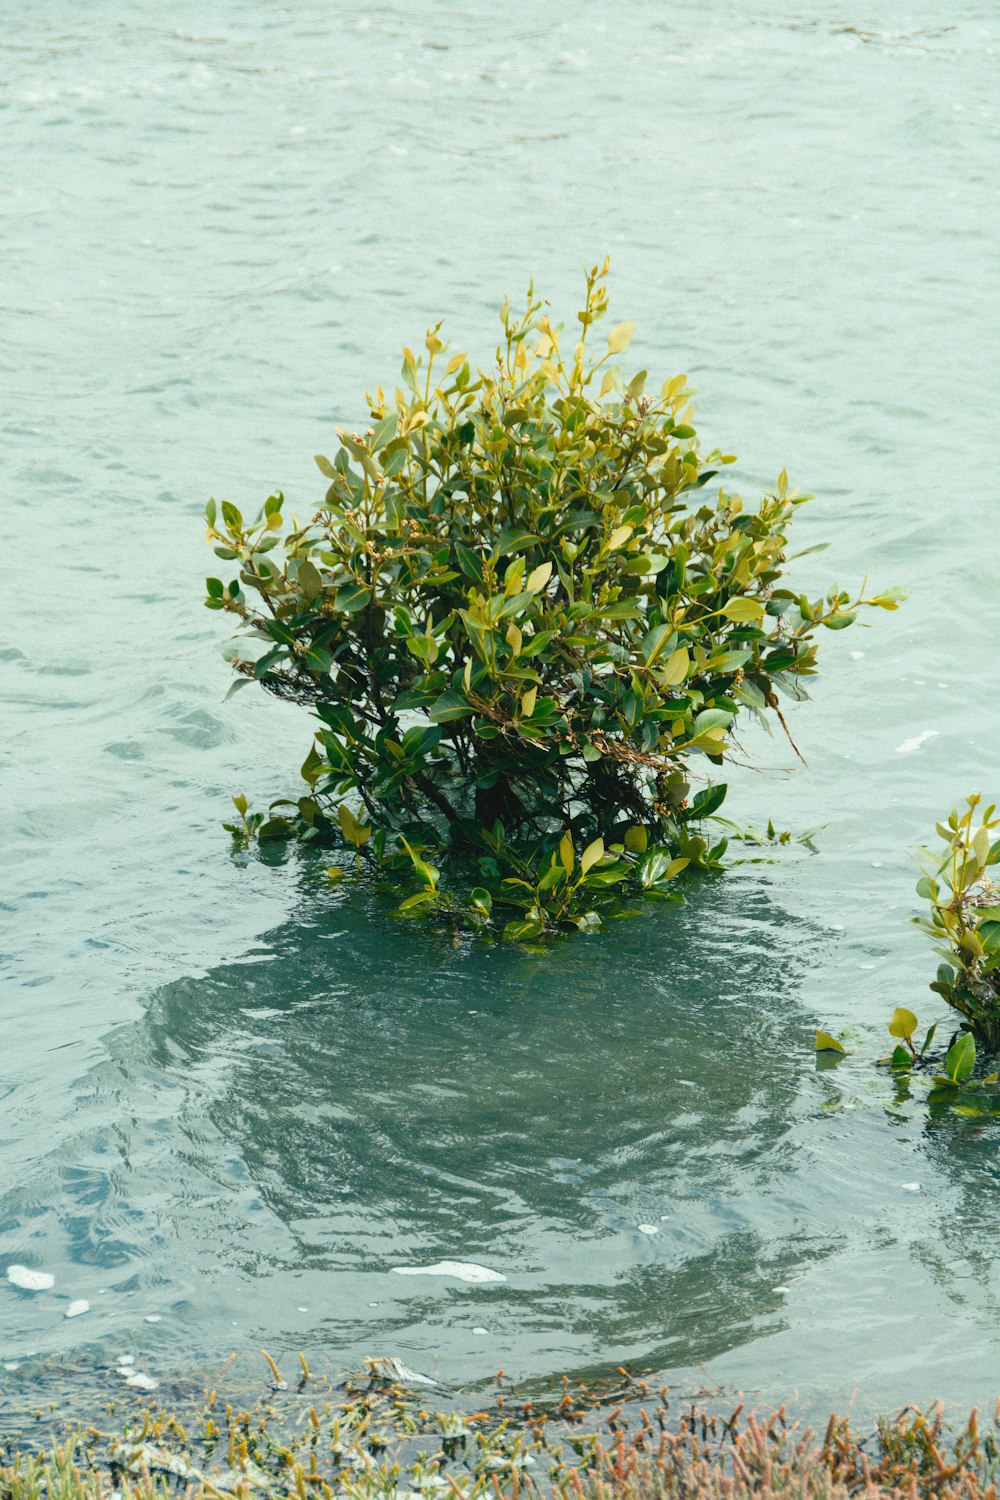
(234, 1101)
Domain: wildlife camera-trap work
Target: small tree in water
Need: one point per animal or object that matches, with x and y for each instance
(524, 626)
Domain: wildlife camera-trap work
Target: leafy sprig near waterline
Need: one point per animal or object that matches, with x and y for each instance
(964, 916)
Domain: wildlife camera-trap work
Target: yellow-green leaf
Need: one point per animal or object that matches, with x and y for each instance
(354, 832)
(675, 668)
(538, 578)
(620, 337)
(528, 703)
(591, 855)
(903, 1024)
(743, 609)
(827, 1043)
(636, 839)
(566, 852)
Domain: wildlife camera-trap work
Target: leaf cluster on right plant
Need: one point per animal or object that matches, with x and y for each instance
(964, 917)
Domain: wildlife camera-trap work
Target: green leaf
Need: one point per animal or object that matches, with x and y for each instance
(279, 631)
(309, 579)
(519, 931)
(351, 597)
(709, 800)
(961, 1058)
(469, 562)
(421, 898)
(712, 718)
(989, 936)
(275, 830)
(654, 641)
(513, 539)
(743, 610)
(450, 706)
(481, 900)
(428, 874)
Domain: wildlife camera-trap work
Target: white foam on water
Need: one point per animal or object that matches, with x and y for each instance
(142, 1382)
(911, 1187)
(462, 1270)
(908, 746)
(154, 1317)
(78, 1308)
(29, 1280)
(481, 1332)
(394, 1369)
(648, 1229)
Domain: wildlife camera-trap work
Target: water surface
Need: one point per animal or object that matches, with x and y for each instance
(234, 1101)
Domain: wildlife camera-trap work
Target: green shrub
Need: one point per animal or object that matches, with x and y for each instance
(964, 918)
(524, 625)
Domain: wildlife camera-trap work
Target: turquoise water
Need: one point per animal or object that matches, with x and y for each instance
(234, 1101)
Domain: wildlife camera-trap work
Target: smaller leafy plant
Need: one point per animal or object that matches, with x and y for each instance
(770, 837)
(903, 1027)
(954, 1087)
(250, 824)
(964, 917)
